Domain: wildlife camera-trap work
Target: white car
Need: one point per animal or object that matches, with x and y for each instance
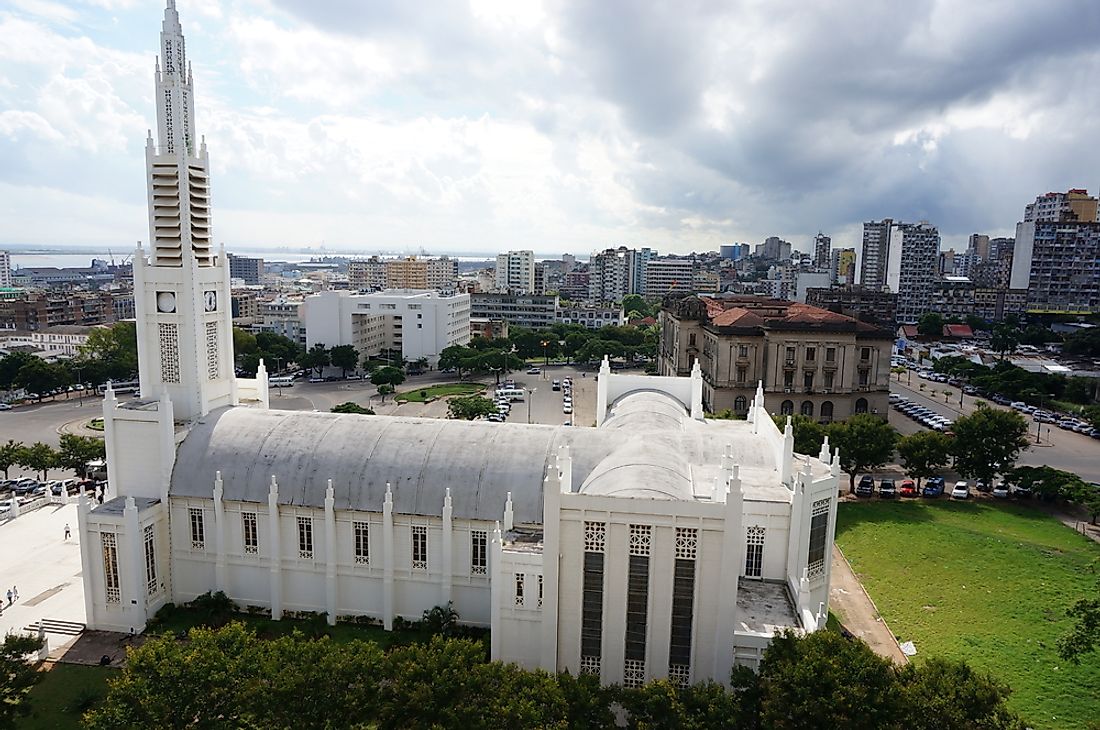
(567, 408)
(961, 490)
(1000, 491)
(5, 406)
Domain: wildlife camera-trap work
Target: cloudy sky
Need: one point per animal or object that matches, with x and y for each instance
(480, 125)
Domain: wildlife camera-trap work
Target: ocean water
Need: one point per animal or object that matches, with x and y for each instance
(61, 259)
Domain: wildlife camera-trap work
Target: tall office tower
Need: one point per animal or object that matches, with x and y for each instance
(822, 251)
(181, 291)
(1000, 249)
(5, 270)
(876, 242)
(914, 250)
(1072, 205)
(516, 271)
(979, 246)
(540, 278)
(1058, 262)
(946, 263)
(774, 249)
(664, 275)
(641, 259)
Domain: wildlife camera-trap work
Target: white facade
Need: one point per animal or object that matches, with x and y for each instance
(714, 533)
(419, 323)
(63, 340)
(664, 275)
(593, 316)
(516, 272)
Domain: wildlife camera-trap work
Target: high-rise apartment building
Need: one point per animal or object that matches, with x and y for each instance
(442, 273)
(1058, 262)
(1072, 205)
(823, 246)
(911, 268)
(367, 274)
(611, 274)
(5, 270)
(843, 266)
(876, 244)
(407, 273)
(774, 249)
(246, 268)
(516, 272)
(979, 245)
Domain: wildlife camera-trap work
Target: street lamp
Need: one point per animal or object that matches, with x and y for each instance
(531, 397)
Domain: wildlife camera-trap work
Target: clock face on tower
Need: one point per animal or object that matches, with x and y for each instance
(210, 300)
(166, 302)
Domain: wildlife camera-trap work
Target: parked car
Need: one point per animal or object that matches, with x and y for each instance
(933, 487)
(495, 418)
(983, 486)
(567, 408)
(908, 488)
(866, 486)
(5, 406)
(449, 371)
(316, 380)
(1021, 492)
(1001, 491)
(534, 371)
(961, 490)
(886, 489)
(556, 385)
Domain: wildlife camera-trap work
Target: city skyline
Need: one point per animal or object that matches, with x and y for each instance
(494, 126)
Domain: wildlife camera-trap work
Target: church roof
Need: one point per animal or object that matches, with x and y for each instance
(647, 448)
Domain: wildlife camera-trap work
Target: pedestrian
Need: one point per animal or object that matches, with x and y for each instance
(15, 592)
(68, 532)
(10, 601)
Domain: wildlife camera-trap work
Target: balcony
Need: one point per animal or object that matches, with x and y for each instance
(789, 364)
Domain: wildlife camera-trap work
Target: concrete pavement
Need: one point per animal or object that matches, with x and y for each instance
(857, 612)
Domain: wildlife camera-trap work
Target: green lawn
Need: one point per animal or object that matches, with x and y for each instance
(63, 695)
(985, 582)
(423, 395)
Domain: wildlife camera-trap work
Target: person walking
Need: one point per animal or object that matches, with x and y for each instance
(68, 532)
(15, 592)
(10, 601)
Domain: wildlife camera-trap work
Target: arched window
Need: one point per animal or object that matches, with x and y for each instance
(787, 408)
(861, 405)
(807, 408)
(827, 411)
(740, 404)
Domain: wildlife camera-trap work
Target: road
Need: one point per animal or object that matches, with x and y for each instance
(1061, 449)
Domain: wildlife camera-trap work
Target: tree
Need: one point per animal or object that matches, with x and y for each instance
(797, 673)
(1084, 637)
(1085, 343)
(387, 375)
(469, 407)
(10, 365)
(9, 455)
(38, 457)
(278, 350)
(243, 342)
(110, 353)
(39, 376)
(17, 676)
(930, 325)
(351, 407)
(944, 694)
(987, 442)
(457, 357)
(924, 453)
(808, 433)
(637, 303)
(315, 358)
(76, 451)
(1085, 495)
(1004, 339)
(865, 441)
(345, 357)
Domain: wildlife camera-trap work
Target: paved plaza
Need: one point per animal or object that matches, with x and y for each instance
(36, 559)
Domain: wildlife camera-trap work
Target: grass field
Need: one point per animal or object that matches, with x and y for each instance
(985, 582)
(63, 695)
(423, 395)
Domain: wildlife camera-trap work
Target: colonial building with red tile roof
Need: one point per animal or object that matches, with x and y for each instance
(810, 360)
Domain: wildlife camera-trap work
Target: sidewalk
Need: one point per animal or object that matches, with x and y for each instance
(857, 612)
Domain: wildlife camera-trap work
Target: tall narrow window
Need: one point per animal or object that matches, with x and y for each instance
(637, 605)
(819, 526)
(110, 567)
(361, 538)
(520, 581)
(478, 563)
(811, 354)
(250, 534)
(305, 538)
(830, 354)
(683, 604)
(419, 547)
(595, 535)
(198, 529)
(150, 561)
(754, 551)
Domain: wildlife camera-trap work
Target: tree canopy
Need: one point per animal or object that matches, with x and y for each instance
(76, 451)
(469, 407)
(38, 457)
(865, 441)
(345, 357)
(17, 676)
(987, 442)
(924, 453)
(351, 407)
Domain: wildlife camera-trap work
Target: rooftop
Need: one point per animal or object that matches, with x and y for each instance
(764, 607)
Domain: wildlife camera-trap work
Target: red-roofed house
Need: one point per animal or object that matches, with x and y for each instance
(958, 331)
(811, 361)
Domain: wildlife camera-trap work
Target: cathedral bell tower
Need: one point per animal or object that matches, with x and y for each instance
(181, 284)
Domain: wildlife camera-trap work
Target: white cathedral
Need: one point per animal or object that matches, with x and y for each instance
(657, 544)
